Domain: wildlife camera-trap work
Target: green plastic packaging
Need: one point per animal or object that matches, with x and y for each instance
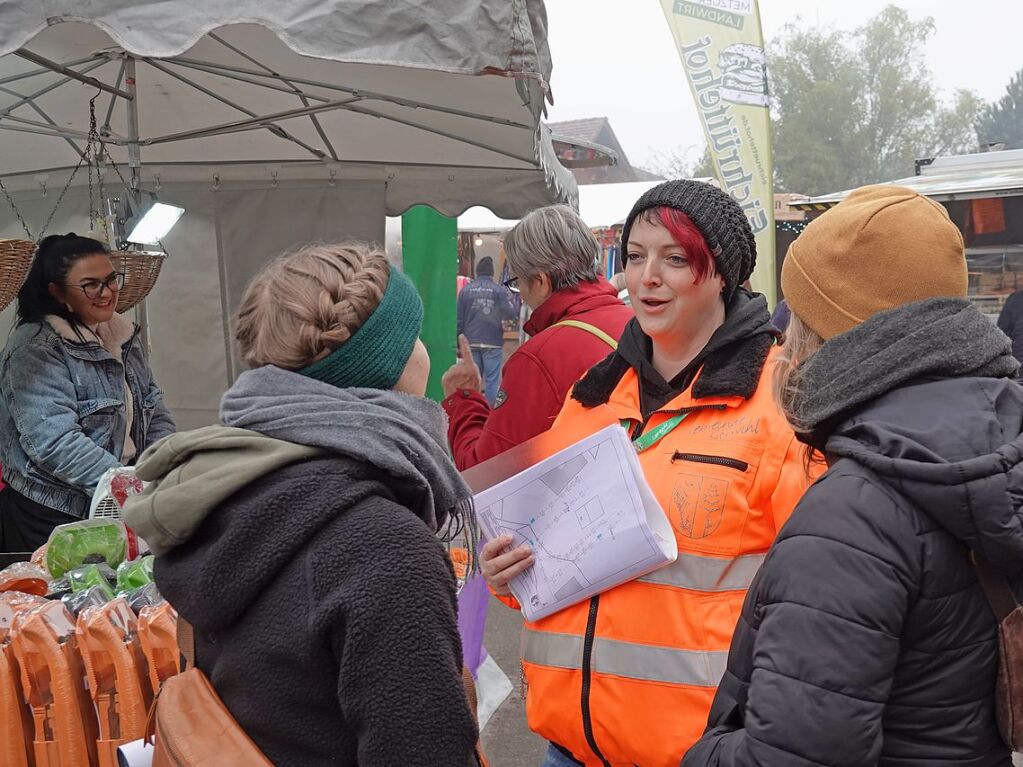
(90, 541)
(135, 574)
(92, 576)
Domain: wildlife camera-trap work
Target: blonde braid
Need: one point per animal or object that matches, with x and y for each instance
(309, 302)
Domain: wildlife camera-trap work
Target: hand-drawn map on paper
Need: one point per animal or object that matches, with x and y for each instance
(589, 517)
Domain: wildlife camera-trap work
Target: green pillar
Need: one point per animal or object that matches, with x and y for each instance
(430, 254)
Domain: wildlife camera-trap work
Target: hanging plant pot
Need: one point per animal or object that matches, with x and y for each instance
(15, 260)
(140, 269)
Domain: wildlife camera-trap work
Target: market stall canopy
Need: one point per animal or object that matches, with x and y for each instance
(441, 101)
(963, 177)
(600, 205)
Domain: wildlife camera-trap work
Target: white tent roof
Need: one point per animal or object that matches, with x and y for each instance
(600, 205)
(991, 174)
(440, 100)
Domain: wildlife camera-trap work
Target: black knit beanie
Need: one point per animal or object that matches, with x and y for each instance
(718, 217)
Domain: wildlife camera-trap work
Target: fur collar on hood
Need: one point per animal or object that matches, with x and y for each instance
(730, 365)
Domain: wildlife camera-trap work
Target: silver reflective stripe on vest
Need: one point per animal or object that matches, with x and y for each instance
(699, 573)
(700, 668)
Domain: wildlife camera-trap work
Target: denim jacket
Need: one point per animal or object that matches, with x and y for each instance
(63, 415)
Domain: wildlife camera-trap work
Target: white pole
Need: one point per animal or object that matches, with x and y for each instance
(135, 168)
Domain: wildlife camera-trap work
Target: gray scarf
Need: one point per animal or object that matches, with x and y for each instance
(936, 338)
(402, 435)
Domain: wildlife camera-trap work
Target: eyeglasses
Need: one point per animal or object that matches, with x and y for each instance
(512, 283)
(93, 289)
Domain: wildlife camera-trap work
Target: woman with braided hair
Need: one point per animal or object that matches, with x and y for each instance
(299, 537)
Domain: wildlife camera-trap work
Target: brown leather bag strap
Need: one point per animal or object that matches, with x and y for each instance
(996, 588)
(186, 642)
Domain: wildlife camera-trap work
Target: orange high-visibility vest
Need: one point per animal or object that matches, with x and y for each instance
(627, 678)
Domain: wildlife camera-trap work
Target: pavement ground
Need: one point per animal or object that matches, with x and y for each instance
(507, 740)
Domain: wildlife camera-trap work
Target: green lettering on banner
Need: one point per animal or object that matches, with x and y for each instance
(713, 15)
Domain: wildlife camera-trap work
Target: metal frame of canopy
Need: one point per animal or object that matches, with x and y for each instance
(263, 77)
(235, 82)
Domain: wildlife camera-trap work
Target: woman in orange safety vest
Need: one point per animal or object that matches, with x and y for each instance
(627, 678)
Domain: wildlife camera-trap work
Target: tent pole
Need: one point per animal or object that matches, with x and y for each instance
(430, 259)
(135, 168)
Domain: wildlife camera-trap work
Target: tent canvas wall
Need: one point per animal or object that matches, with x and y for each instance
(225, 237)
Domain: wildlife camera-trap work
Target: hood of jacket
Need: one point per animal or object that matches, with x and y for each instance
(925, 396)
(190, 473)
(583, 296)
(404, 437)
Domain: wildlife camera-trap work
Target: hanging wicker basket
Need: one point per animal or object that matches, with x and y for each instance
(15, 260)
(140, 272)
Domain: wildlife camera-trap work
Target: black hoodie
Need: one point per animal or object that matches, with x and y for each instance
(866, 639)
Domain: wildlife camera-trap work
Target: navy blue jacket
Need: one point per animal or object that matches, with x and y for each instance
(1010, 321)
(482, 306)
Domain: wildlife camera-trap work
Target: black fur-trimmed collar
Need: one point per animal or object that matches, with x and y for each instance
(729, 369)
(731, 372)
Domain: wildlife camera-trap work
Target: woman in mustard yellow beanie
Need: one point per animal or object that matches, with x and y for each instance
(867, 638)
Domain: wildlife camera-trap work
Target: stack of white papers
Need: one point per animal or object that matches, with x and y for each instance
(589, 517)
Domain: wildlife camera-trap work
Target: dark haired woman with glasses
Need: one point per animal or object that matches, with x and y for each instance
(77, 396)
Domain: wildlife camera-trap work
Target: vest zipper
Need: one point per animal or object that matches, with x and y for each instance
(641, 427)
(714, 460)
(591, 628)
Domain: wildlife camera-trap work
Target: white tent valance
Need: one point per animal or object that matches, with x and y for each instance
(441, 101)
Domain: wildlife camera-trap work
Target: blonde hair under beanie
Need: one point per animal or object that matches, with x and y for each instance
(880, 248)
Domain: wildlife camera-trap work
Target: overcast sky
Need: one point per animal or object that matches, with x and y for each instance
(617, 58)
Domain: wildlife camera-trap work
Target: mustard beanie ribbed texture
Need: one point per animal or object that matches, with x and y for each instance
(880, 248)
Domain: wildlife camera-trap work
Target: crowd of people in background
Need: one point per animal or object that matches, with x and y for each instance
(849, 466)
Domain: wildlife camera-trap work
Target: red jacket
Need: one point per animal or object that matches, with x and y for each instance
(537, 377)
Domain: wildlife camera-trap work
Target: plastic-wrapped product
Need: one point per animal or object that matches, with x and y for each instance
(135, 574)
(90, 541)
(52, 674)
(146, 596)
(87, 576)
(26, 578)
(94, 596)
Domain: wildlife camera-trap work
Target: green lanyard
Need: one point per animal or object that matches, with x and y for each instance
(651, 438)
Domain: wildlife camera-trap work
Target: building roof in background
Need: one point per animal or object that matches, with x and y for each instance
(598, 130)
(964, 177)
(586, 130)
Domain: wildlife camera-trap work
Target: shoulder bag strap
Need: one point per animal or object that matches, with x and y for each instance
(593, 330)
(996, 588)
(186, 642)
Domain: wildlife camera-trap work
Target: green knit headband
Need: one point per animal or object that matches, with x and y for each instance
(376, 355)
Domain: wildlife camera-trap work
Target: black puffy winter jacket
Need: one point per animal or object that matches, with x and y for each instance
(865, 639)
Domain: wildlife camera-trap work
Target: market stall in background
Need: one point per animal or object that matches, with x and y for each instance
(297, 125)
(983, 194)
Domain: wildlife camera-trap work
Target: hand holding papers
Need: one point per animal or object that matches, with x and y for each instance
(586, 512)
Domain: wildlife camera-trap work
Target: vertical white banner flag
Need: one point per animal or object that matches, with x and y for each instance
(722, 50)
